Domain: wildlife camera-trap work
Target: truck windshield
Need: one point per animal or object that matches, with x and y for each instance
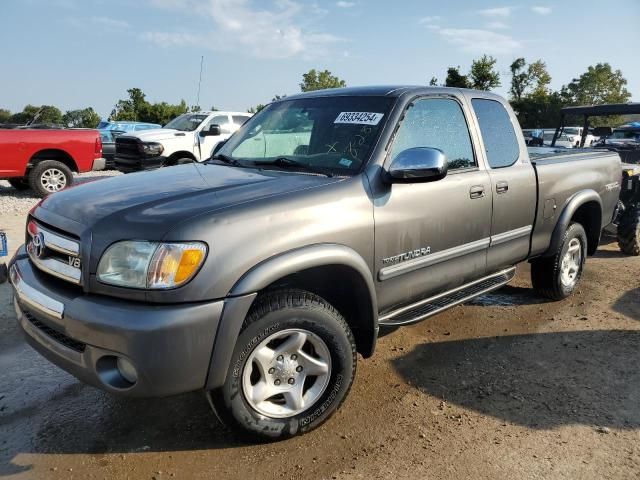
(624, 134)
(187, 122)
(335, 134)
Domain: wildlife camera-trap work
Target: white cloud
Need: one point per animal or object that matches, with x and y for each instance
(168, 39)
(541, 10)
(496, 25)
(430, 19)
(480, 41)
(276, 32)
(343, 4)
(110, 23)
(501, 12)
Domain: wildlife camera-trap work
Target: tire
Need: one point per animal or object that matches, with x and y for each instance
(280, 320)
(19, 183)
(554, 279)
(629, 232)
(49, 176)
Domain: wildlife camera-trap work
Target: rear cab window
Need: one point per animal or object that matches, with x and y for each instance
(499, 137)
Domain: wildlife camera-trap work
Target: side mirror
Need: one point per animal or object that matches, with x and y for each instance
(419, 164)
(213, 131)
(602, 131)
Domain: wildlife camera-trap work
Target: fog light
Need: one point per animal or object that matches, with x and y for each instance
(127, 370)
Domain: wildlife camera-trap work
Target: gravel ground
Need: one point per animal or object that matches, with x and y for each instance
(13, 201)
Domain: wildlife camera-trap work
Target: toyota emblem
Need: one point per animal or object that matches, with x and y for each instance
(38, 245)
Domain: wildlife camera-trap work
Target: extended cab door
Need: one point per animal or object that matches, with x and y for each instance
(513, 183)
(430, 237)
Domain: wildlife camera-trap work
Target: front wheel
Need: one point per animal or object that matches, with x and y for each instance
(629, 232)
(292, 367)
(557, 277)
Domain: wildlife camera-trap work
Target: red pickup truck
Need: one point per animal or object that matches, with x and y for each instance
(44, 160)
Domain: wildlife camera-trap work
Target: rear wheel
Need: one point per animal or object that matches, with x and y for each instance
(49, 176)
(629, 232)
(19, 183)
(557, 277)
(292, 367)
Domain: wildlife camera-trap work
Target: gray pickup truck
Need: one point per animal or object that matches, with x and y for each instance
(259, 275)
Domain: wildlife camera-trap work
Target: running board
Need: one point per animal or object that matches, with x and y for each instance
(430, 306)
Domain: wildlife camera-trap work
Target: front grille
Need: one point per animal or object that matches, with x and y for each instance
(54, 334)
(54, 253)
(128, 148)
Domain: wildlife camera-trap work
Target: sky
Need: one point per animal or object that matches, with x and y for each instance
(80, 53)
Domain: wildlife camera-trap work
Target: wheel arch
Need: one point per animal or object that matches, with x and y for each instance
(175, 156)
(335, 272)
(585, 208)
(54, 154)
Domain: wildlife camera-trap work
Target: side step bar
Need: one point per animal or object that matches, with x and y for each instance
(430, 306)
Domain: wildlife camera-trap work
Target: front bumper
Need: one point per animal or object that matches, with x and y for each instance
(170, 346)
(128, 164)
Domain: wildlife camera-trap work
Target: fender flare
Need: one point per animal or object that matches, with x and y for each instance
(244, 292)
(573, 204)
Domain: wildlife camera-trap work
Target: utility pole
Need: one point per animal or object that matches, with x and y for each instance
(200, 81)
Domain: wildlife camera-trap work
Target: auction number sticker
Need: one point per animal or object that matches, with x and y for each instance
(359, 118)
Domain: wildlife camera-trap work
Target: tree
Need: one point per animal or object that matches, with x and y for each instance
(520, 79)
(313, 80)
(4, 115)
(433, 82)
(256, 109)
(483, 74)
(455, 78)
(136, 108)
(539, 77)
(35, 114)
(84, 118)
(598, 85)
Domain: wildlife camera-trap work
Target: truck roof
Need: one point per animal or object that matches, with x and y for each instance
(220, 112)
(387, 91)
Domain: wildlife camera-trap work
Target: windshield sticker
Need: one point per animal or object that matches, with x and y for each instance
(359, 118)
(345, 162)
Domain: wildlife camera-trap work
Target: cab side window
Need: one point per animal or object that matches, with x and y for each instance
(500, 141)
(436, 123)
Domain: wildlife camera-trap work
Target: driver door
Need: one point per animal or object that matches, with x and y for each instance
(431, 237)
(207, 143)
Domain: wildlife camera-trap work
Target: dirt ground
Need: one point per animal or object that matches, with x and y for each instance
(507, 387)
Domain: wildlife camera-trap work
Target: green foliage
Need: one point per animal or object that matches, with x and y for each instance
(136, 108)
(314, 80)
(520, 79)
(483, 74)
(34, 114)
(84, 118)
(256, 109)
(4, 115)
(455, 78)
(600, 84)
(433, 82)
(538, 111)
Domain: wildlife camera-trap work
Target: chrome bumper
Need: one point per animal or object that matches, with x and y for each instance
(99, 164)
(32, 297)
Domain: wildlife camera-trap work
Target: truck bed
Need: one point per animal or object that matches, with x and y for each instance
(563, 172)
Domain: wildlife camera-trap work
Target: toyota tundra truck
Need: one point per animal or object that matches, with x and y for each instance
(259, 275)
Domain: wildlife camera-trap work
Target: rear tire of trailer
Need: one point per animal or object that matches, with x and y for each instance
(19, 183)
(629, 232)
(49, 176)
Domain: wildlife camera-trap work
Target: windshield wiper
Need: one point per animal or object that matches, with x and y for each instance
(226, 159)
(288, 163)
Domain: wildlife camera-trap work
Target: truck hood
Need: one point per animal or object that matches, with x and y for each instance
(147, 205)
(159, 134)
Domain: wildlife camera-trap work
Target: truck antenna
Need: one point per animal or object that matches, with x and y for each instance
(200, 81)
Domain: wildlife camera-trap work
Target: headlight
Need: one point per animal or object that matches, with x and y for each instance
(151, 265)
(152, 148)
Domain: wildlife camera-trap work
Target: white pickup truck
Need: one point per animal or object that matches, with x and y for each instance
(188, 138)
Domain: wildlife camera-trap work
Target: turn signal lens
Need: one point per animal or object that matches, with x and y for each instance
(174, 264)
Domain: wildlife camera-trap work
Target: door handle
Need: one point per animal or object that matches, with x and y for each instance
(502, 187)
(477, 191)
